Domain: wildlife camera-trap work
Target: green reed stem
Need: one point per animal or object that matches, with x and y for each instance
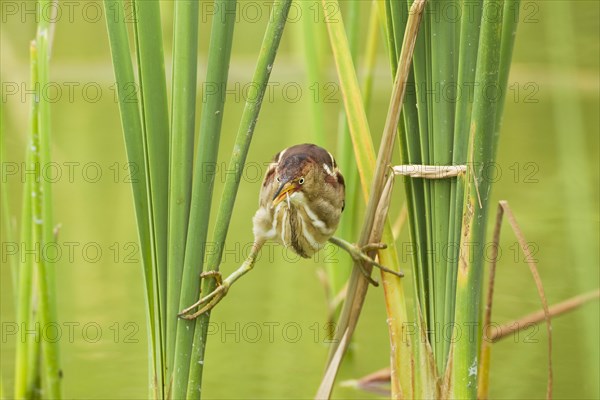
(311, 37)
(43, 228)
(202, 188)
(155, 125)
(372, 176)
(463, 377)
(25, 283)
(339, 272)
(134, 144)
(183, 111)
(7, 219)
(467, 64)
(260, 80)
(443, 76)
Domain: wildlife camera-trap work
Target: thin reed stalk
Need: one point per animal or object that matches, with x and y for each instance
(312, 33)
(7, 221)
(25, 282)
(42, 221)
(183, 111)
(37, 363)
(443, 66)
(173, 258)
(155, 134)
(219, 53)
(437, 128)
(131, 122)
(339, 272)
(467, 64)
(260, 80)
(464, 353)
(372, 175)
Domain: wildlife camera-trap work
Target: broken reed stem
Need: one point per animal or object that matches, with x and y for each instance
(485, 356)
(484, 364)
(362, 141)
(430, 171)
(539, 316)
(425, 172)
(538, 283)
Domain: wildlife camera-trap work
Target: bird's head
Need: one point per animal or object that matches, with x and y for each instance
(295, 174)
(306, 169)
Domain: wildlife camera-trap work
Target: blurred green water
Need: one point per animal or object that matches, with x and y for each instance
(269, 335)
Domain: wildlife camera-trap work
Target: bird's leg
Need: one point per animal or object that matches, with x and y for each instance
(218, 293)
(360, 254)
(208, 302)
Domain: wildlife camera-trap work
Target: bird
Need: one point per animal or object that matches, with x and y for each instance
(301, 201)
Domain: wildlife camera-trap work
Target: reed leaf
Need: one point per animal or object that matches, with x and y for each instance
(365, 159)
(202, 186)
(370, 55)
(134, 145)
(43, 228)
(375, 179)
(25, 282)
(36, 278)
(155, 128)
(311, 33)
(339, 272)
(467, 64)
(464, 353)
(7, 220)
(443, 52)
(348, 228)
(39, 264)
(509, 29)
(410, 147)
(437, 124)
(256, 93)
(413, 142)
(183, 111)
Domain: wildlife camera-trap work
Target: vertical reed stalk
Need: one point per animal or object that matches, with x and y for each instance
(311, 45)
(443, 76)
(464, 362)
(467, 64)
(42, 220)
(155, 130)
(136, 154)
(26, 271)
(219, 53)
(36, 306)
(183, 112)
(372, 175)
(260, 80)
(339, 272)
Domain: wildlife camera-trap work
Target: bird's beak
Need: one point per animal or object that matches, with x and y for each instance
(284, 189)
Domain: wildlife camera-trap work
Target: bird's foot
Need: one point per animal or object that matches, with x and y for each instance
(209, 301)
(359, 254)
(362, 255)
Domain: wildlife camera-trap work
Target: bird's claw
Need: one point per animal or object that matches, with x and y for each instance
(361, 255)
(208, 302)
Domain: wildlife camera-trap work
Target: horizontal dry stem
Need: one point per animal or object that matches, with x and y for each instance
(539, 316)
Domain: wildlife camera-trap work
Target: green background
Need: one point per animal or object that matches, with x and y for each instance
(274, 344)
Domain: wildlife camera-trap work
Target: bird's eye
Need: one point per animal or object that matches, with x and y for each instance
(301, 181)
(278, 179)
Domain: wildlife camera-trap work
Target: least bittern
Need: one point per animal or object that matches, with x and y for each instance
(301, 201)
